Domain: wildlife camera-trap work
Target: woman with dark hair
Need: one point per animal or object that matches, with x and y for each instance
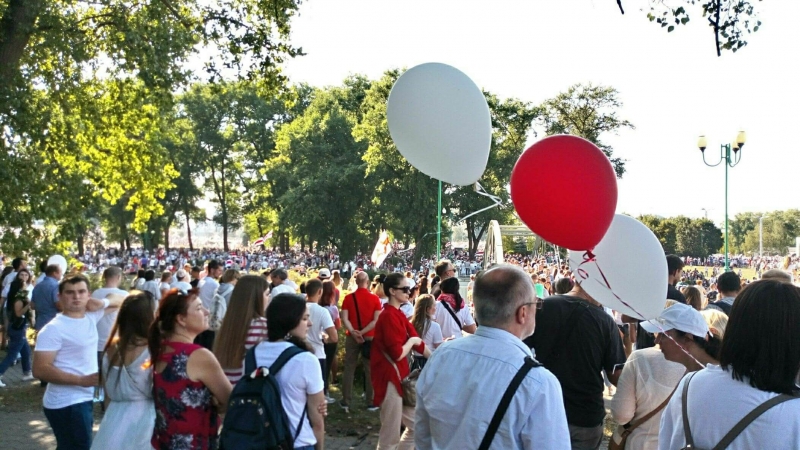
(244, 325)
(300, 379)
(18, 311)
(185, 376)
(127, 378)
(329, 302)
(394, 340)
(759, 363)
(423, 285)
(138, 282)
(451, 314)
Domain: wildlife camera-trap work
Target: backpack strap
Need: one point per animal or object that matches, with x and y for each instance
(687, 431)
(452, 313)
(749, 418)
(284, 357)
(500, 412)
(629, 427)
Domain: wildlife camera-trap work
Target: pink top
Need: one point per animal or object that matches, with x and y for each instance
(255, 334)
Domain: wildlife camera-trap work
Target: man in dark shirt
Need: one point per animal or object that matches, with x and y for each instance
(674, 269)
(576, 340)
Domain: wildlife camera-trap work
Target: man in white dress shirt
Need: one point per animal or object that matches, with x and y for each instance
(459, 392)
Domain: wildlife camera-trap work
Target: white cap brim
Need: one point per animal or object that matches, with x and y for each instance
(653, 326)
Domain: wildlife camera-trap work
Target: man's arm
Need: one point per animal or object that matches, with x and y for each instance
(44, 370)
(372, 324)
(346, 321)
(114, 301)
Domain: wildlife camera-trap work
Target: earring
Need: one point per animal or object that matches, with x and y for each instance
(287, 337)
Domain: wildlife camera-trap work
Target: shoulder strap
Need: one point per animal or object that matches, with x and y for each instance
(500, 412)
(748, 419)
(633, 425)
(452, 314)
(284, 357)
(300, 424)
(687, 431)
(358, 315)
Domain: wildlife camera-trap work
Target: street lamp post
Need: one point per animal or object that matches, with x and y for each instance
(730, 161)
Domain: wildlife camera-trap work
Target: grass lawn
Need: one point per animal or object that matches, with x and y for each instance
(747, 272)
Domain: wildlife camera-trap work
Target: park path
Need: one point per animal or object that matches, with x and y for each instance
(28, 429)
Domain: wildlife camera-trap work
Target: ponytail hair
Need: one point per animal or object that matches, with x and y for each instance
(284, 314)
(174, 304)
(451, 286)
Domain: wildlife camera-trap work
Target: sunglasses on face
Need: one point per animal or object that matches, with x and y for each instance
(405, 289)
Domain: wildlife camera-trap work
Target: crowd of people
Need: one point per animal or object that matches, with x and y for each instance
(521, 361)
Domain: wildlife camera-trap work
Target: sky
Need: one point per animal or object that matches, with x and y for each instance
(673, 86)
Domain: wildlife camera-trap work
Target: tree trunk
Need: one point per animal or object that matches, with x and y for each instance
(302, 243)
(166, 239)
(81, 249)
(16, 28)
(189, 232)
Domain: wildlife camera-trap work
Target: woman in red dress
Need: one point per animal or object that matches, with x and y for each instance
(394, 339)
(186, 376)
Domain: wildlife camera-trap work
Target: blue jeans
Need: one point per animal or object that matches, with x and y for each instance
(17, 345)
(72, 426)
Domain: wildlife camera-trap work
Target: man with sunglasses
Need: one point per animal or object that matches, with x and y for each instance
(577, 340)
(444, 269)
(459, 393)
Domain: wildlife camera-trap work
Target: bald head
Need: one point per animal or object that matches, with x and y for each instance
(499, 292)
(777, 274)
(362, 279)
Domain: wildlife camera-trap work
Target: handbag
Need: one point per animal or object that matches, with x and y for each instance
(627, 429)
(409, 384)
(366, 346)
(737, 429)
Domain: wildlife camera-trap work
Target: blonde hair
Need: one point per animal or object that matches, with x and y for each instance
(716, 320)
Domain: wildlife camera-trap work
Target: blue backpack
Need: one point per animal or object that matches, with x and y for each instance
(255, 418)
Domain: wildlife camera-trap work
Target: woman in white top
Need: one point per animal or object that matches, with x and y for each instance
(450, 303)
(431, 332)
(130, 415)
(759, 360)
(300, 379)
(166, 281)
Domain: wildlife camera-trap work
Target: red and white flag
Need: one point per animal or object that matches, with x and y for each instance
(269, 235)
(260, 241)
(382, 249)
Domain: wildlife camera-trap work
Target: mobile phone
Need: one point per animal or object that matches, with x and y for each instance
(625, 328)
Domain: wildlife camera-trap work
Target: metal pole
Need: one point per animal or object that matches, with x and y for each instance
(439, 226)
(727, 161)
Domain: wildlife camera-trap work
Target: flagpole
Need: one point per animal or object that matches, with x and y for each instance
(439, 226)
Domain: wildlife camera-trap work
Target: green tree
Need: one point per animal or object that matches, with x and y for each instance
(587, 111)
(664, 229)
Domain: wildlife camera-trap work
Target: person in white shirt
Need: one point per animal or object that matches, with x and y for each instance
(151, 285)
(182, 281)
(300, 379)
(322, 330)
(759, 361)
(449, 304)
(66, 358)
(464, 380)
(427, 328)
(208, 289)
(112, 277)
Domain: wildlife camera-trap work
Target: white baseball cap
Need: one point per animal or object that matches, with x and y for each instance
(678, 317)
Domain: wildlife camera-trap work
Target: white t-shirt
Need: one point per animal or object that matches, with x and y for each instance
(152, 287)
(299, 378)
(320, 321)
(106, 323)
(716, 402)
(75, 341)
(207, 291)
(449, 326)
(407, 309)
(182, 286)
(282, 288)
(433, 337)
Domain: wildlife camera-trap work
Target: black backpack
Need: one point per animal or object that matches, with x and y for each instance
(255, 418)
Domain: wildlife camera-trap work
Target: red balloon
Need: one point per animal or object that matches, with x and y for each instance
(565, 190)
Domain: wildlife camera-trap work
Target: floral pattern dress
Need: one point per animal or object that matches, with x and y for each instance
(185, 417)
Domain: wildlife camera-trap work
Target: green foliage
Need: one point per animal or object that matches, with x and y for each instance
(587, 111)
(731, 20)
(684, 236)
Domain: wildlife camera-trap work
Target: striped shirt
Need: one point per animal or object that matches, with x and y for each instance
(256, 334)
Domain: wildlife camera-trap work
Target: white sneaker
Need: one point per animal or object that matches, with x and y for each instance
(28, 377)
(330, 400)
(2, 385)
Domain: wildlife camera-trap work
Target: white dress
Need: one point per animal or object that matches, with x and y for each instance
(129, 420)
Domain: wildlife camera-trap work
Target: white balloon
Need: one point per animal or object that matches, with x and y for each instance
(440, 122)
(631, 261)
(59, 261)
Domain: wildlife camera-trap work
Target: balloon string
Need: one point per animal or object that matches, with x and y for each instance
(481, 191)
(589, 257)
